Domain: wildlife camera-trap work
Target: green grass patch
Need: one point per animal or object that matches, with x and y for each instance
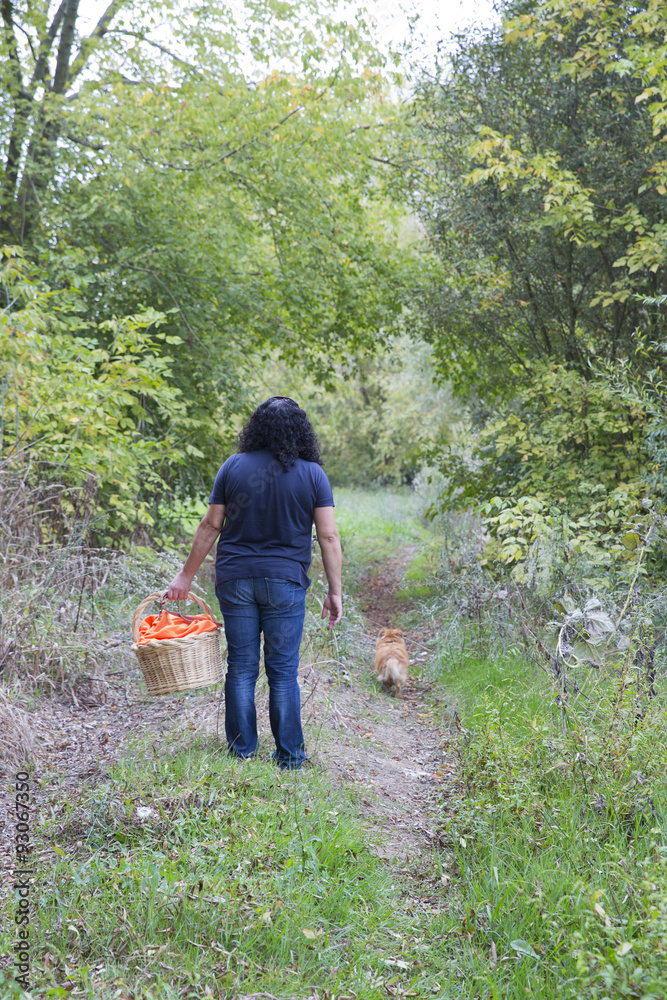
(376, 525)
(420, 581)
(558, 845)
(554, 841)
(241, 879)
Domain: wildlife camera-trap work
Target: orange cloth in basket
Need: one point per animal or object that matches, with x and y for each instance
(169, 626)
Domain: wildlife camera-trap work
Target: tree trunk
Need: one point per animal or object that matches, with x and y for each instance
(21, 114)
(24, 107)
(41, 159)
(61, 75)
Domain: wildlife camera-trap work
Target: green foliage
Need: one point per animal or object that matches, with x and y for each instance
(557, 475)
(73, 410)
(639, 383)
(222, 167)
(551, 160)
(383, 416)
(378, 429)
(547, 209)
(624, 46)
(565, 438)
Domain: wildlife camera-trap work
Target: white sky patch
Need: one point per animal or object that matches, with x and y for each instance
(437, 19)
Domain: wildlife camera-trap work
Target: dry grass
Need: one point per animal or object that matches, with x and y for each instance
(66, 600)
(16, 736)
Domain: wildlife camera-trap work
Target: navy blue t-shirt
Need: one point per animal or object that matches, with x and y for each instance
(268, 517)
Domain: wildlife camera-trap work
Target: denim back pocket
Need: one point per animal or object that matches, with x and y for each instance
(281, 594)
(235, 591)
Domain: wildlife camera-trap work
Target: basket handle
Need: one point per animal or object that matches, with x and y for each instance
(136, 621)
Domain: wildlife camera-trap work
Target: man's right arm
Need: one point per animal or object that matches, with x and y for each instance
(332, 557)
(209, 528)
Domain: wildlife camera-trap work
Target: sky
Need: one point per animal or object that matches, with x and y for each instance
(437, 18)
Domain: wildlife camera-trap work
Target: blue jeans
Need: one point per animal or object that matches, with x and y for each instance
(276, 608)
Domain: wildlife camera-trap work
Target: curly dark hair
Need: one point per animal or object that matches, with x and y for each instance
(282, 427)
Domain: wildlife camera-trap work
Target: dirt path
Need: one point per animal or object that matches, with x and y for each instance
(390, 752)
(387, 749)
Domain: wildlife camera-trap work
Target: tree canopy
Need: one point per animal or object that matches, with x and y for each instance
(546, 206)
(548, 199)
(225, 170)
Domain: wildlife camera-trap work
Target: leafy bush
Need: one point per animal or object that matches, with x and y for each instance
(75, 412)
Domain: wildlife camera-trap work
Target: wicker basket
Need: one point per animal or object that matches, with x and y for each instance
(171, 665)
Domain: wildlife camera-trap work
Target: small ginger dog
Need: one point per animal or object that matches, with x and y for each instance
(391, 659)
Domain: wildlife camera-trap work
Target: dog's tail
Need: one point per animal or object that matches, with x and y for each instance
(392, 671)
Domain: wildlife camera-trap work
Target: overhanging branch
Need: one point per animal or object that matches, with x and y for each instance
(41, 63)
(88, 43)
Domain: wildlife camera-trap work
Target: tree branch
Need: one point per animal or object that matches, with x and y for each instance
(88, 43)
(390, 163)
(29, 39)
(98, 146)
(61, 76)
(225, 156)
(161, 48)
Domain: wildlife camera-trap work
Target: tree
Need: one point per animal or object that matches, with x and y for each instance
(546, 205)
(548, 191)
(42, 61)
(72, 412)
(222, 169)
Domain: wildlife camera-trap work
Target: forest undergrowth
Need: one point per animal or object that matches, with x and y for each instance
(557, 841)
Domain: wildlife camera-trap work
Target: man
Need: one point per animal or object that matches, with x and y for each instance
(263, 504)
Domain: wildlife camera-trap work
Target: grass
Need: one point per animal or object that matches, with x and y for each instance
(193, 875)
(241, 878)
(558, 846)
(375, 526)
